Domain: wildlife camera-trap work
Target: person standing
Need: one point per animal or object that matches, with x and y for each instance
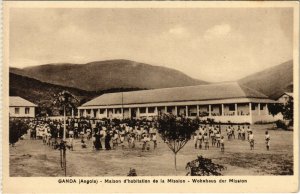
(267, 138)
(107, 141)
(97, 144)
(251, 140)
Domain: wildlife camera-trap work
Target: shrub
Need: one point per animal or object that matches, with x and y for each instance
(17, 128)
(132, 172)
(281, 124)
(204, 167)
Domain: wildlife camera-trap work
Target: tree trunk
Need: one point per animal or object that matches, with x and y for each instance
(64, 123)
(175, 162)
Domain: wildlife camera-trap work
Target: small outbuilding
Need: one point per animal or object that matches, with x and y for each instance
(19, 107)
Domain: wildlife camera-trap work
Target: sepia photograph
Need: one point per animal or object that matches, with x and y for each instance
(151, 91)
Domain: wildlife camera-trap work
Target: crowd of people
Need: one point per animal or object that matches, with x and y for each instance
(110, 134)
(103, 134)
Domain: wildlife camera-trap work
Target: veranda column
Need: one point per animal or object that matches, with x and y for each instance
(250, 112)
(186, 111)
(209, 110)
(78, 112)
(72, 113)
(258, 108)
(92, 113)
(156, 111)
(147, 112)
(176, 113)
(113, 113)
(165, 110)
(106, 113)
(129, 112)
(197, 110)
(84, 113)
(138, 113)
(122, 112)
(235, 109)
(98, 116)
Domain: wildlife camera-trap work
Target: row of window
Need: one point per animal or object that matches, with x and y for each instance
(182, 110)
(27, 111)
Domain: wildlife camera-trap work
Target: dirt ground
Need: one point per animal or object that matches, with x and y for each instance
(30, 158)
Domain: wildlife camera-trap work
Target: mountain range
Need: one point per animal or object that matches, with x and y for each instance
(86, 81)
(272, 81)
(103, 75)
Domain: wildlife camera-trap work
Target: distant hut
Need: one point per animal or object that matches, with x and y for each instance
(285, 97)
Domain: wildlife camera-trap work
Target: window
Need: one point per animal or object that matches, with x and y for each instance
(192, 111)
(169, 109)
(262, 106)
(253, 106)
(17, 110)
(151, 110)
(118, 111)
(231, 107)
(143, 110)
(102, 111)
(88, 111)
(27, 111)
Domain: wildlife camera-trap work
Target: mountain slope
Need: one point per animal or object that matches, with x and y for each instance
(272, 81)
(42, 93)
(108, 74)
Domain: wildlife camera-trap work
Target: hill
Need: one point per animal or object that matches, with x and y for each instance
(102, 75)
(272, 81)
(42, 93)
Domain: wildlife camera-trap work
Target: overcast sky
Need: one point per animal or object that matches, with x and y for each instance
(210, 44)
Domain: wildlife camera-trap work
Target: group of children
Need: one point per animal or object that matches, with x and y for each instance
(122, 135)
(213, 133)
(205, 133)
(104, 135)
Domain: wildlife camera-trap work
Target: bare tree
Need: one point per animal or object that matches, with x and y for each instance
(176, 131)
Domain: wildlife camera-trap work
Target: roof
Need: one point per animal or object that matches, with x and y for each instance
(287, 93)
(18, 101)
(177, 94)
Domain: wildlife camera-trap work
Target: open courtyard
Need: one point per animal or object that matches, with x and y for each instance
(31, 158)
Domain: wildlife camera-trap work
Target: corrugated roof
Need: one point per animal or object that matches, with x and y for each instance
(178, 94)
(18, 101)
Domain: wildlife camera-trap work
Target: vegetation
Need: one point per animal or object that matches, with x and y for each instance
(287, 110)
(132, 172)
(275, 108)
(17, 128)
(203, 167)
(66, 101)
(176, 131)
(42, 93)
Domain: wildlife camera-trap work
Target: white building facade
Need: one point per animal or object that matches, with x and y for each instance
(227, 102)
(21, 108)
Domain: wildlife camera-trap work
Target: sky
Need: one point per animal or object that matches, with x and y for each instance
(210, 44)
